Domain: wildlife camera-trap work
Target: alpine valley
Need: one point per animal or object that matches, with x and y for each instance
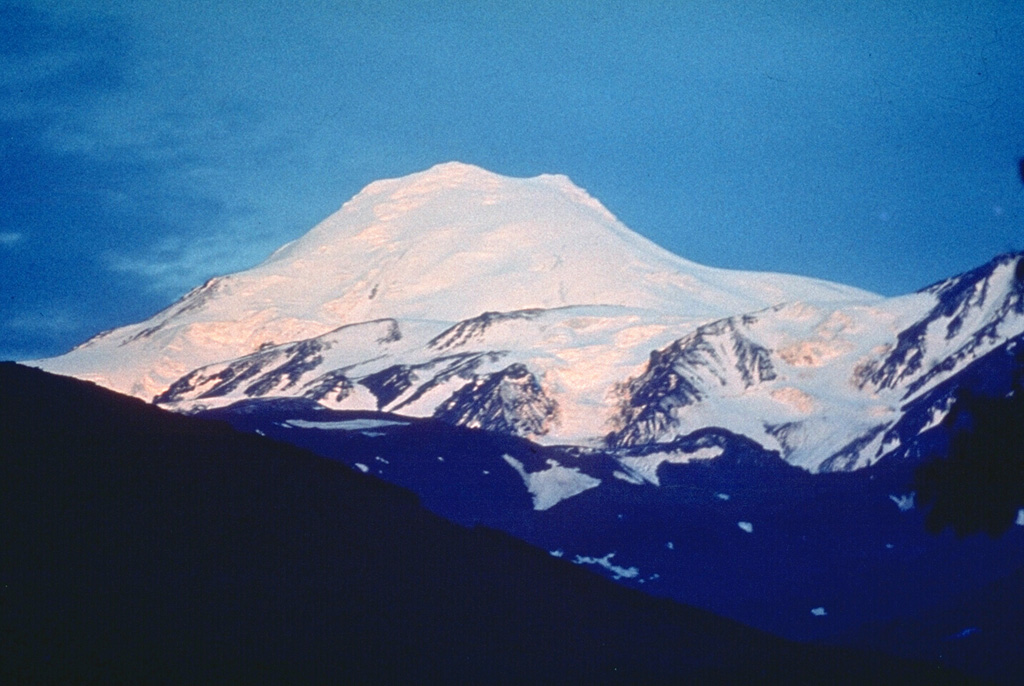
(508, 350)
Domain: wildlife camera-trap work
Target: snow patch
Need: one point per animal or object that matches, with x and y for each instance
(645, 467)
(362, 467)
(746, 526)
(965, 633)
(344, 425)
(553, 485)
(818, 612)
(904, 502)
(935, 416)
(628, 478)
(890, 444)
(606, 562)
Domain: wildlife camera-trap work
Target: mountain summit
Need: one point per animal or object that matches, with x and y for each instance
(524, 306)
(455, 241)
(446, 244)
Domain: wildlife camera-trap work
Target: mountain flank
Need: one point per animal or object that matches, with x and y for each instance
(141, 546)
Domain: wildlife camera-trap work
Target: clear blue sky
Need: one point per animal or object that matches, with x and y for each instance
(146, 146)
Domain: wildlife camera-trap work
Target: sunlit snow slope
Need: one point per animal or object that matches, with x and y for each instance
(523, 306)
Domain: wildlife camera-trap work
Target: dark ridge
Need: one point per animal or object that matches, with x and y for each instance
(389, 383)
(510, 401)
(139, 546)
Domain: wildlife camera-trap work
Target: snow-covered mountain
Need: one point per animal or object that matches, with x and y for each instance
(523, 306)
(826, 386)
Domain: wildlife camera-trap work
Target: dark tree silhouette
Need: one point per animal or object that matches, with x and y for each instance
(980, 485)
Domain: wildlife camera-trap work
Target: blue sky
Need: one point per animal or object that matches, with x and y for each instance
(147, 146)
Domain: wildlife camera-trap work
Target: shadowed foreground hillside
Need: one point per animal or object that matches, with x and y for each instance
(141, 546)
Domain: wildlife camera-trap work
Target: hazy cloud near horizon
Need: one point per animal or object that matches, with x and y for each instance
(147, 147)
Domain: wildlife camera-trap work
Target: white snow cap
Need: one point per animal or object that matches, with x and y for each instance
(455, 241)
(445, 244)
(453, 276)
